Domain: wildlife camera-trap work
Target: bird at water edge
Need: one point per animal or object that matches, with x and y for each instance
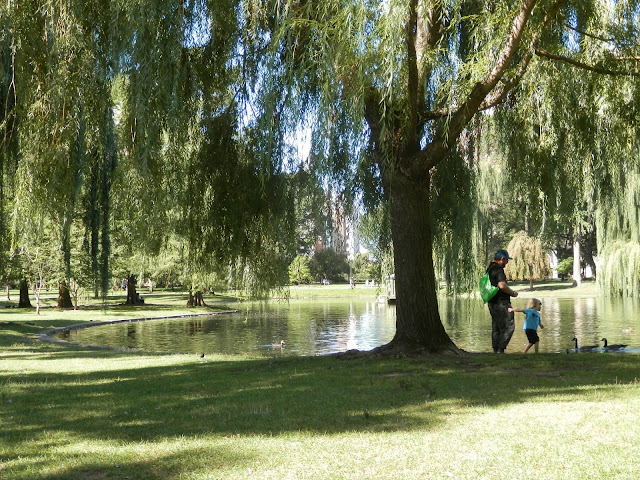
(584, 348)
(615, 346)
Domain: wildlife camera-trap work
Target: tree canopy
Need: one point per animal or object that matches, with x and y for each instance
(170, 127)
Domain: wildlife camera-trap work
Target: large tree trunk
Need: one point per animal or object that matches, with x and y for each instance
(418, 324)
(24, 301)
(64, 296)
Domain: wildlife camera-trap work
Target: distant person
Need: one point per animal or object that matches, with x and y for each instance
(531, 323)
(502, 320)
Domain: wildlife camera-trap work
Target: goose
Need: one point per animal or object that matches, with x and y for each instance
(584, 348)
(278, 345)
(627, 330)
(615, 346)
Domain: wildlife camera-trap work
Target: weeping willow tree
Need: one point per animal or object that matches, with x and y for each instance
(529, 259)
(232, 205)
(8, 144)
(182, 101)
(619, 240)
(616, 216)
(394, 87)
(160, 119)
(455, 225)
(124, 123)
(570, 139)
(58, 70)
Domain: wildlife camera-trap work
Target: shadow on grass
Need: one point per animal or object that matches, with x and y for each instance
(321, 395)
(289, 394)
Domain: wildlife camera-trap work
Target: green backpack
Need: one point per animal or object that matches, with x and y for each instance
(487, 291)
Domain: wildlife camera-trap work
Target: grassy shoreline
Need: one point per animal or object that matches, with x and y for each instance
(71, 412)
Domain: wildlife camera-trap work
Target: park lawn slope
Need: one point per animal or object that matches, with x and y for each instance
(80, 413)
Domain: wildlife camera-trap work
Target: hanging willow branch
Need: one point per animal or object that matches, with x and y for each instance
(590, 35)
(585, 66)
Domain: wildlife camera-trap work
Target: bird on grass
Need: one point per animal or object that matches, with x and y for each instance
(615, 346)
(584, 348)
(278, 345)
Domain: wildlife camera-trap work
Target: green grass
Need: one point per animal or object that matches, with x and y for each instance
(545, 288)
(72, 413)
(79, 413)
(337, 290)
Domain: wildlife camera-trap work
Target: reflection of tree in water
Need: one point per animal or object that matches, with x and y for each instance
(194, 327)
(131, 331)
(585, 320)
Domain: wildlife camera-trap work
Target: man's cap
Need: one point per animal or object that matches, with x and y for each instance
(503, 254)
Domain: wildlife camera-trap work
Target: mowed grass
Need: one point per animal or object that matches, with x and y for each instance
(70, 412)
(542, 288)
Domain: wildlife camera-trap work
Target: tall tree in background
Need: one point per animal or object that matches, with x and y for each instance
(529, 261)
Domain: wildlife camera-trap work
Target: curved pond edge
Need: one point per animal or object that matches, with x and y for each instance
(46, 336)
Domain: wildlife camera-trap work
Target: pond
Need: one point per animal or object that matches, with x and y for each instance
(317, 327)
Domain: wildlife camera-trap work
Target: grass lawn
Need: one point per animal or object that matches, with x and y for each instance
(80, 413)
(337, 290)
(544, 288)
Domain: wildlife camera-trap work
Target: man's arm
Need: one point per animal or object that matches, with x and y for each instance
(506, 289)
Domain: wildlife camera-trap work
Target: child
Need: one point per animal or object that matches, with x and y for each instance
(531, 322)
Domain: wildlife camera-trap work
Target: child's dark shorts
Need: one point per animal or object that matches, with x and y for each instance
(532, 335)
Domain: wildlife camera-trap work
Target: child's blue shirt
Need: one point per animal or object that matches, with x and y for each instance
(531, 320)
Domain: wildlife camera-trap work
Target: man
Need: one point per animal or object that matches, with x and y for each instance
(502, 321)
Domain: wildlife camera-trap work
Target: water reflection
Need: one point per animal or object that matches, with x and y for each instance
(316, 327)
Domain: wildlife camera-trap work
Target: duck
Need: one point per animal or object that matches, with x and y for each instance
(278, 345)
(584, 348)
(627, 330)
(615, 346)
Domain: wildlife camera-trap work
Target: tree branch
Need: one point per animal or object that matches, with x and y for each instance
(585, 66)
(590, 35)
(412, 61)
(430, 30)
(447, 134)
(499, 97)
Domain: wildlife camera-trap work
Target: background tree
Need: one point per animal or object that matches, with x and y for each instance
(565, 267)
(299, 270)
(364, 269)
(327, 264)
(530, 261)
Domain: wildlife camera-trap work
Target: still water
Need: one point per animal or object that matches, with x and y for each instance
(317, 327)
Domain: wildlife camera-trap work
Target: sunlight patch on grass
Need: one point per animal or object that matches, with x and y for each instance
(80, 414)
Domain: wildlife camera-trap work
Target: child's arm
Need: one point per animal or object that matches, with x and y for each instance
(514, 310)
(541, 325)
